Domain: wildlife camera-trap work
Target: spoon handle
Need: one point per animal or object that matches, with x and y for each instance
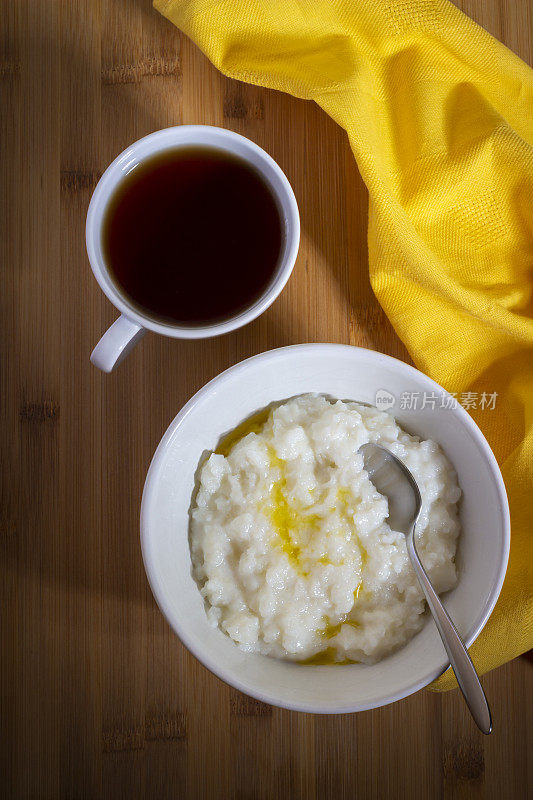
(462, 665)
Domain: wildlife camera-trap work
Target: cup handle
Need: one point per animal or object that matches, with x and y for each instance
(116, 343)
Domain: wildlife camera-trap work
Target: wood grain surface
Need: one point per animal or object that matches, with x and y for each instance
(99, 698)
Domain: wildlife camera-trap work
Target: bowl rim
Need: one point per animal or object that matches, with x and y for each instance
(149, 490)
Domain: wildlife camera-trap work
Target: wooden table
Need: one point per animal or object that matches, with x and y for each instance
(99, 698)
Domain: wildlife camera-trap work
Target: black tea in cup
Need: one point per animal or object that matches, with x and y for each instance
(193, 236)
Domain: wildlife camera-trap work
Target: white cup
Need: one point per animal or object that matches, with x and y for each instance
(132, 324)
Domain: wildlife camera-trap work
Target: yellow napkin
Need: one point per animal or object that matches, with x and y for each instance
(440, 119)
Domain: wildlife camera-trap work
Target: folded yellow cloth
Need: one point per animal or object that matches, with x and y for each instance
(440, 119)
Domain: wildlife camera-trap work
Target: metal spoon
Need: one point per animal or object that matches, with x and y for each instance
(392, 479)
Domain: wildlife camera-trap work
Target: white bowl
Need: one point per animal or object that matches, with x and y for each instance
(346, 373)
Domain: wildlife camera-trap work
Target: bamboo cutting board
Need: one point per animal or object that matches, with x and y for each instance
(99, 699)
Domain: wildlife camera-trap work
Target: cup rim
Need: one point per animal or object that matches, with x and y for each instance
(167, 138)
(149, 491)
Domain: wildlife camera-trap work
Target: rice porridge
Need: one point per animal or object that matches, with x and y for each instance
(290, 542)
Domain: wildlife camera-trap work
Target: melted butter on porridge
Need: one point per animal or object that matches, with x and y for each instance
(290, 542)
